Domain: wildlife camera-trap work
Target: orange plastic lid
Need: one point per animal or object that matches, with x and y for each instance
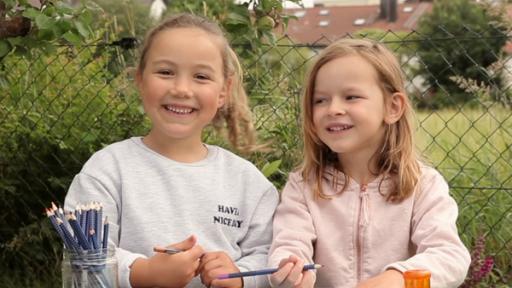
(417, 274)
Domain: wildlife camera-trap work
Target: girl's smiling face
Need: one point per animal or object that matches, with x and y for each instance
(348, 106)
(182, 84)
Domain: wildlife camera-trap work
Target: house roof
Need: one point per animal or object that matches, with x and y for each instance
(343, 20)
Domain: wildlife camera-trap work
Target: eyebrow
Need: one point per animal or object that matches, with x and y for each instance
(169, 62)
(345, 90)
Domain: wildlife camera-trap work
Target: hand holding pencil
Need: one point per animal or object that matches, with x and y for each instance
(217, 269)
(169, 268)
(293, 273)
(215, 264)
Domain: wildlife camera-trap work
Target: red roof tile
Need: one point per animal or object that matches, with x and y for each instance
(306, 30)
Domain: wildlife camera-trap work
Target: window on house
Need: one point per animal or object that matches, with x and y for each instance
(323, 12)
(323, 23)
(407, 9)
(300, 14)
(359, 21)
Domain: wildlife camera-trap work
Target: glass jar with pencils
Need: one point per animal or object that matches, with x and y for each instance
(93, 268)
(417, 278)
(88, 260)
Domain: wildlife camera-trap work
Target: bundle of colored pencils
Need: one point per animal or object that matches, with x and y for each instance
(85, 238)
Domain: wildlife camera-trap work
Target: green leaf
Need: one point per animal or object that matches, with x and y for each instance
(86, 17)
(270, 168)
(44, 22)
(45, 34)
(64, 8)
(10, 4)
(5, 48)
(72, 38)
(235, 18)
(31, 13)
(81, 29)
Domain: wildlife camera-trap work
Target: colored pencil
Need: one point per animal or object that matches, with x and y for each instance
(263, 272)
(79, 234)
(167, 250)
(105, 233)
(98, 228)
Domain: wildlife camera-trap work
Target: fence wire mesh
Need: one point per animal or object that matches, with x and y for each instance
(57, 109)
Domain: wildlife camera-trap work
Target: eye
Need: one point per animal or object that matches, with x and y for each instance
(352, 97)
(202, 76)
(165, 72)
(319, 100)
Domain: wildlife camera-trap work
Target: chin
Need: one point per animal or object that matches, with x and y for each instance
(338, 149)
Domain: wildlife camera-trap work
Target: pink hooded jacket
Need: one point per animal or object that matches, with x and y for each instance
(357, 234)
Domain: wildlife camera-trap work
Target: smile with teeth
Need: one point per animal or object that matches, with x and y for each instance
(179, 110)
(338, 128)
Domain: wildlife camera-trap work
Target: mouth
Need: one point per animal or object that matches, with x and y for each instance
(339, 127)
(182, 110)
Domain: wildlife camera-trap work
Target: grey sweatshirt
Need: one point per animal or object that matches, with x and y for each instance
(152, 200)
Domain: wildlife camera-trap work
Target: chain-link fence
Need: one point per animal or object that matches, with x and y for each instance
(56, 110)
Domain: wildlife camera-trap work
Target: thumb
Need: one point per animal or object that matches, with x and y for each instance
(185, 244)
(278, 278)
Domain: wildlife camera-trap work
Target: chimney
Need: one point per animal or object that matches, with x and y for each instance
(383, 9)
(392, 11)
(388, 10)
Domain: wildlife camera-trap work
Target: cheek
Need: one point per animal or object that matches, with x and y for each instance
(152, 88)
(316, 116)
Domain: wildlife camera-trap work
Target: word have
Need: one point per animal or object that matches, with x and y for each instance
(227, 220)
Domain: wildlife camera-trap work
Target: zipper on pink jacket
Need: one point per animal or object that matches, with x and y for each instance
(361, 224)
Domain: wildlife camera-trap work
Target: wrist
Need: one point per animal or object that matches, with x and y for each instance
(396, 274)
(140, 273)
(394, 271)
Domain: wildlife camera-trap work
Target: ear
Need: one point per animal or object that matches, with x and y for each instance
(395, 108)
(225, 93)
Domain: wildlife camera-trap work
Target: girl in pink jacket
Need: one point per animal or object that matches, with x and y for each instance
(362, 204)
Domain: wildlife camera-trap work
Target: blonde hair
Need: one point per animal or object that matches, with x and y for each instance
(234, 116)
(397, 158)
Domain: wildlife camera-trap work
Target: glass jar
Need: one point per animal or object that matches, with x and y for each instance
(417, 279)
(95, 268)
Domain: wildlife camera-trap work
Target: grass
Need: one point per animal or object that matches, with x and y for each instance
(472, 149)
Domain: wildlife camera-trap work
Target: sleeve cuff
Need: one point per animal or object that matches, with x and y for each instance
(124, 262)
(397, 266)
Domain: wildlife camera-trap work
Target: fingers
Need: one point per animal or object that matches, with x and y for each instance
(235, 282)
(283, 262)
(196, 252)
(214, 264)
(185, 244)
(189, 247)
(295, 275)
(308, 279)
(207, 257)
(277, 278)
(290, 273)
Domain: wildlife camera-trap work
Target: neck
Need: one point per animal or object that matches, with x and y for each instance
(358, 166)
(180, 150)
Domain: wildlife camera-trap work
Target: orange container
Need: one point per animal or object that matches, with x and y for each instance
(417, 279)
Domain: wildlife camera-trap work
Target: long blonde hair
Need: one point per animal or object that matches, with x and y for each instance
(398, 158)
(235, 115)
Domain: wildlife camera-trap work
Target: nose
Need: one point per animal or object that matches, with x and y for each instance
(181, 87)
(337, 107)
